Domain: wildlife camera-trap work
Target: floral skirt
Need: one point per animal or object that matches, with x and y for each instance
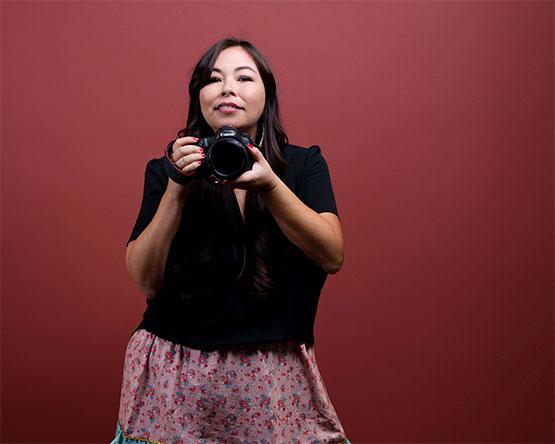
(263, 393)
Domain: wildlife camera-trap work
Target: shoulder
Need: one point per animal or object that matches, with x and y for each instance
(300, 157)
(291, 150)
(301, 163)
(155, 164)
(154, 171)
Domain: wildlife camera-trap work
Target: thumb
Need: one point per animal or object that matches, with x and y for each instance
(254, 151)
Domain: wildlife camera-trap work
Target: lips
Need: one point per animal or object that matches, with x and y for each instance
(230, 104)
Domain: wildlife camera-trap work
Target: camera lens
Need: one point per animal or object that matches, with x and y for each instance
(227, 158)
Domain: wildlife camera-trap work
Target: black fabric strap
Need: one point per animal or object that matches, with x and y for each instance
(173, 171)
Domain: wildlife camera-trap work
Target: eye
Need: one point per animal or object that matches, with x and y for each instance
(245, 78)
(213, 79)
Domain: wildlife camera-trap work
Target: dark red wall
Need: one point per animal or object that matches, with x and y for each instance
(436, 119)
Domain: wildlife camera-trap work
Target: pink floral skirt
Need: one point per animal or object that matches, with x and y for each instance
(263, 393)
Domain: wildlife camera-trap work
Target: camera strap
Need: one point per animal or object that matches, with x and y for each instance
(172, 170)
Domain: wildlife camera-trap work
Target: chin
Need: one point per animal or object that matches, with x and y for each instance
(230, 122)
(239, 124)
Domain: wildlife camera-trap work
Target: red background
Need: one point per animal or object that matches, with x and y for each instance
(436, 119)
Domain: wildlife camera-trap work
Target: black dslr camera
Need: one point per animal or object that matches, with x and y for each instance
(227, 157)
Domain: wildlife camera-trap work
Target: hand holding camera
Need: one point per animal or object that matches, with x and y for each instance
(224, 156)
(185, 157)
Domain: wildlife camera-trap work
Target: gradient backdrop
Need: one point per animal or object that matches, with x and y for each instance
(436, 119)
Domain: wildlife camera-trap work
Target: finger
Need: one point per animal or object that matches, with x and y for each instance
(185, 140)
(245, 177)
(191, 167)
(254, 151)
(182, 141)
(190, 158)
(237, 182)
(185, 150)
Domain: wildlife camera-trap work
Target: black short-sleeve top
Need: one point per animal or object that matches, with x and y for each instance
(206, 303)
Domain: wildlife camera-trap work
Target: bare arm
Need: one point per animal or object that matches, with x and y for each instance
(318, 235)
(146, 256)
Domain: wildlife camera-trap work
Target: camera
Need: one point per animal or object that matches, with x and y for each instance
(227, 157)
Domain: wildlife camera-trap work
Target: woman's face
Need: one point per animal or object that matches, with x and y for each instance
(235, 79)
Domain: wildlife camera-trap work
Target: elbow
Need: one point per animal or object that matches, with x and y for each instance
(149, 289)
(334, 256)
(150, 286)
(128, 256)
(333, 266)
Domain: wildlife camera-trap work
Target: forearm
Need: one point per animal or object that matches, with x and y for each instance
(304, 227)
(146, 256)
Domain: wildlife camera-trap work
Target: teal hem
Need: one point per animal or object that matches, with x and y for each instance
(121, 439)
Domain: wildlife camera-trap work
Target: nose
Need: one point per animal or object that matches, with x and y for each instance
(228, 88)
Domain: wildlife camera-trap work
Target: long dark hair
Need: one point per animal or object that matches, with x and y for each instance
(271, 140)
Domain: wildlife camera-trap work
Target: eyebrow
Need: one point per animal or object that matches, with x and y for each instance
(236, 69)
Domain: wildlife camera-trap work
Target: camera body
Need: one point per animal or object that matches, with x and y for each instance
(227, 157)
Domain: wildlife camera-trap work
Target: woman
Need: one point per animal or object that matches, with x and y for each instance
(232, 271)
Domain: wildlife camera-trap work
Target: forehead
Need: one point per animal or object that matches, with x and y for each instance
(231, 58)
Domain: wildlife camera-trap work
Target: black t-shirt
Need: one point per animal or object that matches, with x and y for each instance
(206, 302)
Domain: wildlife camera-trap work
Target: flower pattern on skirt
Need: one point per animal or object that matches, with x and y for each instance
(257, 393)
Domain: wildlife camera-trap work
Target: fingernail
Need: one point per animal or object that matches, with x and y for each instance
(250, 145)
(195, 139)
(201, 150)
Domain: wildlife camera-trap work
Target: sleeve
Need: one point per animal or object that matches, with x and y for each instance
(316, 189)
(153, 190)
